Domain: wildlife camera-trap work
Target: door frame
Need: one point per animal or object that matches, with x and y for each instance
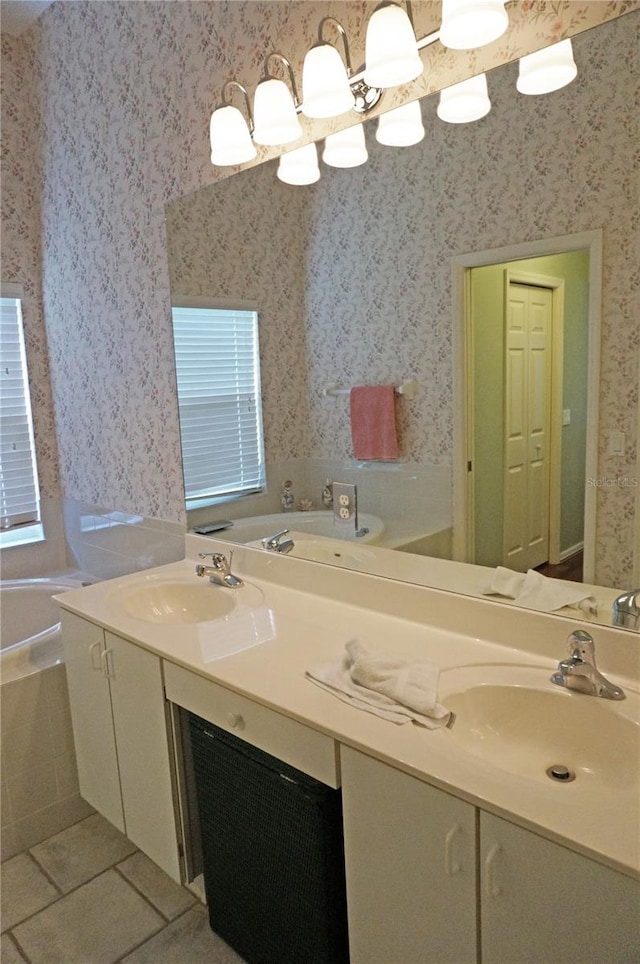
(463, 548)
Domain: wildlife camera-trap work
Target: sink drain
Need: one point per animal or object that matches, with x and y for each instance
(560, 773)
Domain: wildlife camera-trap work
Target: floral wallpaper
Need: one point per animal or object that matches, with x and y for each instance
(108, 103)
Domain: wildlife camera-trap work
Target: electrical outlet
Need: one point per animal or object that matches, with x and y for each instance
(345, 506)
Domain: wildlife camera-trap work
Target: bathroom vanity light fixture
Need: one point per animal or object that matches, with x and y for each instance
(275, 117)
(547, 70)
(465, 102)
(472, 23)
(229, 132)
(300, 166)
(401, 127)
(346, 148)
(326, 90)
(391, 48)
(392, 57)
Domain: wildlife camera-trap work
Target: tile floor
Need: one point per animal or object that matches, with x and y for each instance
(87, 896)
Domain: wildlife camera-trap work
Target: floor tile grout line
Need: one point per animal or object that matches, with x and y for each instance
(21, 950)
(116, 867)
(45, 873)
(66, 893)
(122, 960)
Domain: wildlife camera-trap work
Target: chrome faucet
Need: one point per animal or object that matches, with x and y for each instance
(580, 673)
(626, 610)
(219, 572)
(275, 543)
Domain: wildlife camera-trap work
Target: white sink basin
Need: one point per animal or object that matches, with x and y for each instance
(176, 601)
(515, 719)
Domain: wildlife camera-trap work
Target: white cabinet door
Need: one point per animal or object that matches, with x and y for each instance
(411, 867)
(91, 716)
(142, 740)
(544, 903)
(120, 731)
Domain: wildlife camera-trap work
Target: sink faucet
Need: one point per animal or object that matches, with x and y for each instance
(276, 544)
(626, 610)
(580, 673)
(219, 572)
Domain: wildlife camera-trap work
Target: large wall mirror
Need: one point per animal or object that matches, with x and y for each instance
(354, 280)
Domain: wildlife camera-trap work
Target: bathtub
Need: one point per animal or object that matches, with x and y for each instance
(315, 523)
(30, 638)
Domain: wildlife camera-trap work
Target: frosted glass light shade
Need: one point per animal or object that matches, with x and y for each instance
(274, 114)
(346, 148)
(465, 102)
(230, 138)
(325, 84)
(391, 49)
(546, 70)
(472, 23)
(401, 127)
(300, 166)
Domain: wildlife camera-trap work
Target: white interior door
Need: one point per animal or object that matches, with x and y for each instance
(528, 342)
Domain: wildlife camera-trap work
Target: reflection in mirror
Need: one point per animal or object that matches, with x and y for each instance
(352, 276)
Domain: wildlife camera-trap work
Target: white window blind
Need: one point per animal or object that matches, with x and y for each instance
(218, 373)
(19, 495)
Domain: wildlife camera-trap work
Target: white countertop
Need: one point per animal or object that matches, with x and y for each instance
(300, 614)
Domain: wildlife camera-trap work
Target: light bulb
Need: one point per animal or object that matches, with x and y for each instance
(391, 49)
(274, 114)
(465, 102)
(546, 70)
(401, 127)
(325, 84)
(472, 23)
(230, 138)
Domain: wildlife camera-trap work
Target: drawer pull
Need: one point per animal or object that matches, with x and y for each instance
(452, 865)
(93, 650)
(492, 886)
(235, 720)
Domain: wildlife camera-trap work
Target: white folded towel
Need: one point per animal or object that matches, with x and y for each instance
(393, 689)
(535, 591)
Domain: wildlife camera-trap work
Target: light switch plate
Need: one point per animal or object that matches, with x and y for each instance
(617, 443)
(566, 416)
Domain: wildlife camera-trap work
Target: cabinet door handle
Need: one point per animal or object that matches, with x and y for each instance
(93, 649)
(493, 888)
(452, 866)
(106, 659)
(235, 720)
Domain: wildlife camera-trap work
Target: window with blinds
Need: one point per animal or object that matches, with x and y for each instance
(218, 373)
(19, 494)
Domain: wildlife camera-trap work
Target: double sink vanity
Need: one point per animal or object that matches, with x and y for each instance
(510, 836)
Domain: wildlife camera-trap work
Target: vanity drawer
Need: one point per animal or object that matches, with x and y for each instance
(296, 744)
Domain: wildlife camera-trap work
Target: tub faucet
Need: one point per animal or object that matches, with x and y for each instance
(219, 572)
(275, 543)
(626, 610)
(580, 673)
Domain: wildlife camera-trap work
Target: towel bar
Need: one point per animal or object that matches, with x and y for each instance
(407, 389)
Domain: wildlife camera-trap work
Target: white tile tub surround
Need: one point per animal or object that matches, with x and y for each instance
(107, 542)
(412, 499)
(39, 779)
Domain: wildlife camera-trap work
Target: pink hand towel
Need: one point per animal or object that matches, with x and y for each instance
(373, 422)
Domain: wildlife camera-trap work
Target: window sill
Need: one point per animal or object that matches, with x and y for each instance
(22, 536)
